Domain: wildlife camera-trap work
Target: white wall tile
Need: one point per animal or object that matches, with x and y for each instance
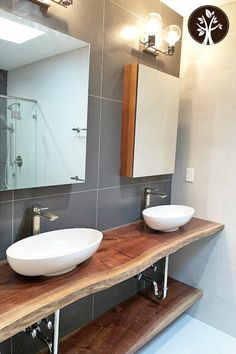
(227, 246)
(207, 142)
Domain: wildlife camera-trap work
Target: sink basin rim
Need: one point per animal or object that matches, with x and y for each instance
(148, 211)
(167, 218)
(46, 235)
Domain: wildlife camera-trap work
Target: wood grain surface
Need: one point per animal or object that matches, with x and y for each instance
(128, 326)
(129, 119)
(124, 252)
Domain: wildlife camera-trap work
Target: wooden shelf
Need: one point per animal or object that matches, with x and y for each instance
(128, 326)
(124, 252)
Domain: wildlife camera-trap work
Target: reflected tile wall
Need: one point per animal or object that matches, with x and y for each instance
(105, 200)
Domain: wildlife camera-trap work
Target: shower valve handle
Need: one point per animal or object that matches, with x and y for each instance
(78, 129)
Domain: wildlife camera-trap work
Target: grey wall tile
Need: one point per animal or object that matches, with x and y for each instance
(119, 52)
(109, 163)
(114, 296)
(76, 315)
(5, 228)
(74, 210)
(110, 145)
(22, 343)
(140, 7)
(122, 205)
(165, 188)
(117, 206)
(5, 347)
(6, 196)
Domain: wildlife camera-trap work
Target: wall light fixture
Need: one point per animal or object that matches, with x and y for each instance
(154, 33)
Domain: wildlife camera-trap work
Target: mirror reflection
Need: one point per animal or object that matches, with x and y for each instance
(44, 78)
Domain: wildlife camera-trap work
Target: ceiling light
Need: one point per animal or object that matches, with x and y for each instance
(15, 32)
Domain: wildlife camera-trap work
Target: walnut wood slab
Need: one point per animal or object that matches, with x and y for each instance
(128, 326)
(124, 252)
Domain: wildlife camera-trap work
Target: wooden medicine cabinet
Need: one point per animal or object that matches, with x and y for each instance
(149, 122)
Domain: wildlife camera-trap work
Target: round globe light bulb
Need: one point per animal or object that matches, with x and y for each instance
(153, 23)
(172, 34)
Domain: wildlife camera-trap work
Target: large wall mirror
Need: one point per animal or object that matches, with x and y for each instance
(44, 76)
(150, 120)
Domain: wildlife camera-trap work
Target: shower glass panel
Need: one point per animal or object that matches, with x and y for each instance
(18, 126)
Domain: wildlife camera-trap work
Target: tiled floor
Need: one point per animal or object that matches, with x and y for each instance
(190, 336)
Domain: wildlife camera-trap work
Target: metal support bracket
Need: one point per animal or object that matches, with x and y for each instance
(35, 331)
(160, 291)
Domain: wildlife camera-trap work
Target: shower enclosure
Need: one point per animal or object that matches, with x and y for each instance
(18, 142)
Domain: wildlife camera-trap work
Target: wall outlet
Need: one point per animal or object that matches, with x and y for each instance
(45, 3)
(190, 175)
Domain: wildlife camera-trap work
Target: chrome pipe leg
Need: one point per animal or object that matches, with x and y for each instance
(56, 322)
(165, 284)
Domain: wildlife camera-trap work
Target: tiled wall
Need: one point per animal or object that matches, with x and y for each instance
(206, 141)
(105, 200)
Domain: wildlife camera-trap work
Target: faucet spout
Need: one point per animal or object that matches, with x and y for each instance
(38, 212)
(152, 191)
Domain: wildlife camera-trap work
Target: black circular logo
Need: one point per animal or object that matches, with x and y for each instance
(208, 25)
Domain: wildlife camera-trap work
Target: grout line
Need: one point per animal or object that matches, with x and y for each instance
(83, 191)
(124, 8)
(107, 98)
(163, 180)
(100, 113)
(55, 195)
(6, 201)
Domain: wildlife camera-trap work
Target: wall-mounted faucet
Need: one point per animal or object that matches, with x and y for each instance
(38, 212)
(147, 196)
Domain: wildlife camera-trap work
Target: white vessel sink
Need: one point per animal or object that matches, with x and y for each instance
(167, 218)
(53, 253)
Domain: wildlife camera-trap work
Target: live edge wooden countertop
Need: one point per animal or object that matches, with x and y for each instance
(124, 252)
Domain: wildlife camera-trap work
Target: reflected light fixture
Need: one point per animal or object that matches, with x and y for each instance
(47, 3)
(15, 32)
(154, 33)
(64, 3)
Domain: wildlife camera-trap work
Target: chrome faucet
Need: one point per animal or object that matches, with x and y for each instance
(38, 212)
(152, 191)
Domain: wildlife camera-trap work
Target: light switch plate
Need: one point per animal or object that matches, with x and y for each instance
(45, 3)
(190, 175)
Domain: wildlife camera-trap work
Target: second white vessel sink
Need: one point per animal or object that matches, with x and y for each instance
(167, 218)
(53, 253)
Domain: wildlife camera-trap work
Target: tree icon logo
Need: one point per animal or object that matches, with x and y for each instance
(208, 25)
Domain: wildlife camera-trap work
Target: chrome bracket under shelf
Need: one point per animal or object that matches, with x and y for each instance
(160, 291)
(35, 331)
